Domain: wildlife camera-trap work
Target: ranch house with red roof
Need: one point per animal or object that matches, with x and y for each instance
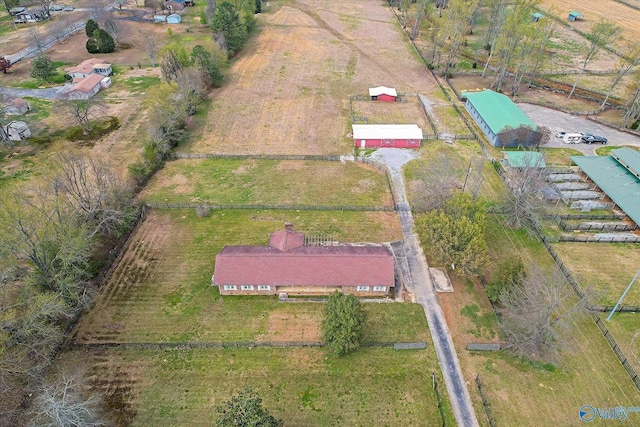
(289, 266)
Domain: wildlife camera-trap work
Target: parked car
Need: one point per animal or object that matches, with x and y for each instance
(55, 7)
(68, 8)
(594, 139)
(571, 138)
(560, 134)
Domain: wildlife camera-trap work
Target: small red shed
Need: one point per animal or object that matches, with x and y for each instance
(383, 93)
(399, 136)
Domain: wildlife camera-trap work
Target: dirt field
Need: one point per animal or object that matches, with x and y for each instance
(288, 92)
(594, 10)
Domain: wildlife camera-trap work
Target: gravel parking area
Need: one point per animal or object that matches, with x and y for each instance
(558, 121)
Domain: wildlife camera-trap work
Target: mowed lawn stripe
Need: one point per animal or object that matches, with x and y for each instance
(289, 182)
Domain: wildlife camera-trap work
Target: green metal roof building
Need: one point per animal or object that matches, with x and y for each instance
(618, 175)
(524, 159)
(504, 124)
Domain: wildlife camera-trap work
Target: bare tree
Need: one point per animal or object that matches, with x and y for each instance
(62, 403)
(150, 45)
(525, 183)
(46, 4)
(601, 34)
(121, 3)
(60, 28)
(629, 60)
(436, 183)
(34, 35)
(536, 314)
(118, 32)
(457, 24)
(633, 105)
(82, 110)
(100, 200)
(420, 15)
(97, 10)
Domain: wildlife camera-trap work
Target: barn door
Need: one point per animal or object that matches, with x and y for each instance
(387, 143)
(363, 143)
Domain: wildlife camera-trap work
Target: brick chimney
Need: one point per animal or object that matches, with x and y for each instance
(289, 227)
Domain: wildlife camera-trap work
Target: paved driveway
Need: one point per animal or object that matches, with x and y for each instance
(49, 93)
(559, 121)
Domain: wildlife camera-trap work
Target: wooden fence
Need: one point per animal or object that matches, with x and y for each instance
(599, 239)
(485, 402)
(438, 398)
(240, 344)
(597, 227)
(578, 217)
(175, 156)
(271, 207)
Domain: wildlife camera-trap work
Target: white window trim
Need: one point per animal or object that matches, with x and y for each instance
(246, 287)
(230, 287)
(379, 289)
(264, 287)
(362, 288)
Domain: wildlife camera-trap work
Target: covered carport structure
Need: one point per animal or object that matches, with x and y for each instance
(618, 176)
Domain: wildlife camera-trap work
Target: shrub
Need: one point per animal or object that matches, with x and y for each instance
(90, 27)
(342, 324)
(203, 211)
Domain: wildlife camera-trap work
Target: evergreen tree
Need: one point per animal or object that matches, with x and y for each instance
(42, 68)
(245, 409)
(258, 6)
(105, 42)
(342, 324)
(90, 27)
(227, 21)
(92, 46)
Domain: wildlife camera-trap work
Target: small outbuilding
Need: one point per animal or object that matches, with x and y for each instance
(380, 136)
(502, 122)
(36, 14)
(383, 93)
(174, 18)
(17, 107)
(536, 17)
(574, 16)
(88, 87)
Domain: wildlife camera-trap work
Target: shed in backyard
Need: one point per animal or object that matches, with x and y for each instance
(618, 176)
(502, 122)
(536, 17)
(523, 159)
(383, 93)
(399, 136)
(574, 16)
(289, 266)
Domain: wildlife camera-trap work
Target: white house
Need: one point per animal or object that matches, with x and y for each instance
(87, 87)
(90, 66)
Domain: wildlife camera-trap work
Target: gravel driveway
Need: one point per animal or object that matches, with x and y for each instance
(558, 121)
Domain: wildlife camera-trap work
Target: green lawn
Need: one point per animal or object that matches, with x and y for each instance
(161, 288)
(221, 181)
(304, 387)
(559, 156)
(625, 327)
(606, 269)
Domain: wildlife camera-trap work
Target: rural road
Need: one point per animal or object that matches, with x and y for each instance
(424, 291)
(46, 43)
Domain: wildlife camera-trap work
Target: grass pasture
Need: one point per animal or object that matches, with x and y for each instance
(524, 393)
(607, 268)
(288, 93)
(160, 290)
(288, 182)
(625, 327)
(304, 387)
(376, 112)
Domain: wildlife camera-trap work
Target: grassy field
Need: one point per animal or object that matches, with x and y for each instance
(269, 182)
(392, 112)
(457, 157)
(624, 328)
(161, 288)
(559, 156)
(524, 393)
(607, 268)
(304, 387)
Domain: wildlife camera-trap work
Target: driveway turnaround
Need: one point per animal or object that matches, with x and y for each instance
(557, 121)
(421, 286)
(49, 93)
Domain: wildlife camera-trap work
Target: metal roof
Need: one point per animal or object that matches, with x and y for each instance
(498, 111)
(575, 14)
(524, 159)
(387, 132)
(628, 158)
(621, 185)
(382, 90)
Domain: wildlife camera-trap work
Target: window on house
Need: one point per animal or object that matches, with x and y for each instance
(247, 287)
(264, 287)
(379, 288)
(362, 288)
(230, 287)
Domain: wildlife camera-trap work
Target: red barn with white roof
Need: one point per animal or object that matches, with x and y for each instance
(380, 136)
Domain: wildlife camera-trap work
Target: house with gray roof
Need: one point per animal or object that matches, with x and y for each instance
(502, 122)
(618, 176)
